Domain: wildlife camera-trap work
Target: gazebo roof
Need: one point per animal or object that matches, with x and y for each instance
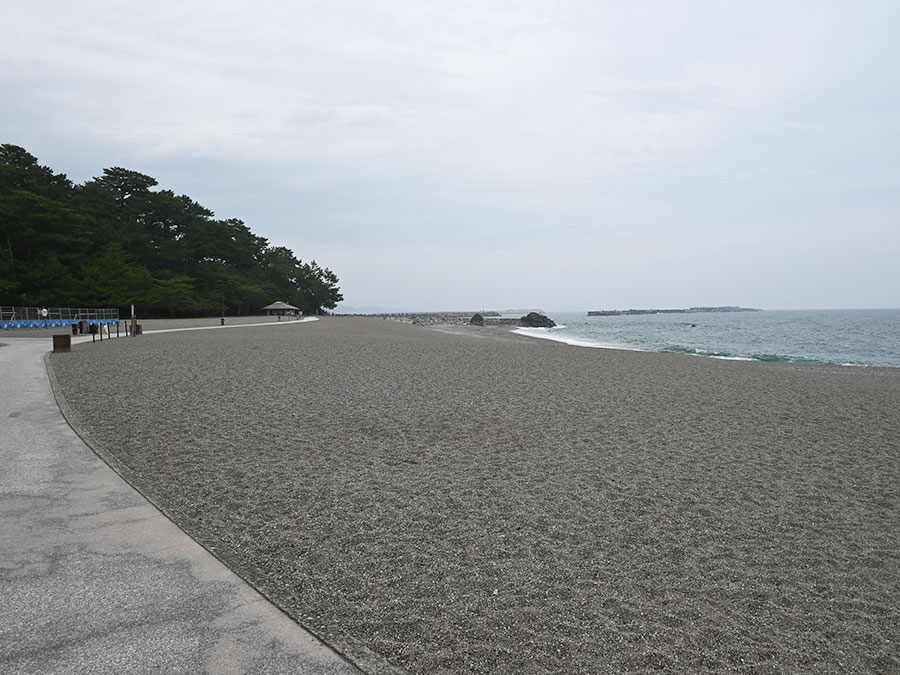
(280, 305)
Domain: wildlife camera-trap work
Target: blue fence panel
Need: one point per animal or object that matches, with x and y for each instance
(52, 323)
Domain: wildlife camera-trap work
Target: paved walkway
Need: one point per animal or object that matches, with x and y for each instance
(93, 579)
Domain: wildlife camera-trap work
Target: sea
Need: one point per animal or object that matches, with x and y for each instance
(857, 337)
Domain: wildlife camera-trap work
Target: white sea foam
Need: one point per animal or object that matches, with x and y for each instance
(857, 337)
(545, 334)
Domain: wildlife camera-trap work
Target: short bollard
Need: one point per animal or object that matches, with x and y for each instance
(62, 343)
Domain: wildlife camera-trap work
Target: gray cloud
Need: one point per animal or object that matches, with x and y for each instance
(458, 153)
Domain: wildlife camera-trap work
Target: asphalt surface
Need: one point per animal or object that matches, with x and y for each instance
(94, 579)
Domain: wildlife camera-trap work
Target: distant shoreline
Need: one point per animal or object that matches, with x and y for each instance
(690, 310)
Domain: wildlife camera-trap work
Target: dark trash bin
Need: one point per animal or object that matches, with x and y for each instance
(62, 343)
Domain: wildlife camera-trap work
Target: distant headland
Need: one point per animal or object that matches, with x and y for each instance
(690, 310)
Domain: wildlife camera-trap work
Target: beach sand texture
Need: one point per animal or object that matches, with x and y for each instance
(477, 501)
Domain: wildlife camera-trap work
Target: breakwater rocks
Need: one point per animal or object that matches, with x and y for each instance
(530, 320)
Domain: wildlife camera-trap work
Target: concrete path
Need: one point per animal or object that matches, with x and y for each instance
(93, 579)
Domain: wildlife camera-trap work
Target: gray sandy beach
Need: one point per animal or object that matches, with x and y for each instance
(475, 501)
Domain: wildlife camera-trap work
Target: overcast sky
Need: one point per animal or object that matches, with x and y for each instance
(566, 155)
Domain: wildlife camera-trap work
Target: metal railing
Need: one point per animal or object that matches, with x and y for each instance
(54, 317)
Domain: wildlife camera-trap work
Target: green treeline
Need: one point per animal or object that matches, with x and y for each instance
(113, 242)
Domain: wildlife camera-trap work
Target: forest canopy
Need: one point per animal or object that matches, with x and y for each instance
(115, 241)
